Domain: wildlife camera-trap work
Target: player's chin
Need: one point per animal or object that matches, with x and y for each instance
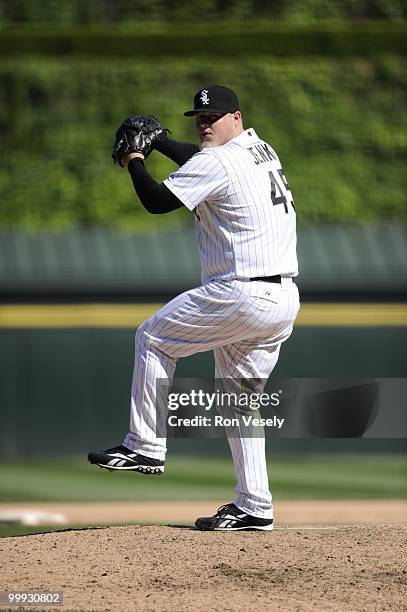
(205, 144)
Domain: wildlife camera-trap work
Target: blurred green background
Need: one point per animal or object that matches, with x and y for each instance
(325, 83)
(202, 477)
(337, 124)
(322, 81)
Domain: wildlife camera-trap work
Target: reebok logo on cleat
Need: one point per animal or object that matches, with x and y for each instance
(122, 458)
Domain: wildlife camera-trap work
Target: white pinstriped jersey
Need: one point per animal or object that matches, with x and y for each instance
(244, 210)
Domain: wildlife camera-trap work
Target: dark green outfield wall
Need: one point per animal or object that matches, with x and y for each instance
(65, 391)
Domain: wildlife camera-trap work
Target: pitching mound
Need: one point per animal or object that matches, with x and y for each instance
(358, 567)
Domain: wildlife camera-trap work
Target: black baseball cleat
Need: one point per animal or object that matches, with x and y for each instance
(230, 518)
(122, 458)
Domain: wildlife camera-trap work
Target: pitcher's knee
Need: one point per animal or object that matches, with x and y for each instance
(142, 338)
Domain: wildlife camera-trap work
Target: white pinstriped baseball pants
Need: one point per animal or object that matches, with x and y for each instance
(244, 323)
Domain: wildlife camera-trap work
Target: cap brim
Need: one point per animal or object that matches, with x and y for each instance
(206, 110)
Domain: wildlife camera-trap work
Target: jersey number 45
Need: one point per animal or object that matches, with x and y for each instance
(277, 194)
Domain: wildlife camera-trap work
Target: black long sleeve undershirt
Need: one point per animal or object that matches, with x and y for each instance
(177, 151)
(156, 198)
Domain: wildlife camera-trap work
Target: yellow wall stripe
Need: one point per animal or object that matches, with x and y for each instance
(131, 315)
(76, 315)
(353, 315)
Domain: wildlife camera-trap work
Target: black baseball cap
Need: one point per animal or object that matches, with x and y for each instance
(214, 99)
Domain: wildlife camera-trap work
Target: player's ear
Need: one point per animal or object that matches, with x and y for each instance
(237, 116)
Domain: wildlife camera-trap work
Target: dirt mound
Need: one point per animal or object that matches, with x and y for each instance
(173, 568)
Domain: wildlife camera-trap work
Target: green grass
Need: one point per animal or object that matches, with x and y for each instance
(200, 478)
(196, 478)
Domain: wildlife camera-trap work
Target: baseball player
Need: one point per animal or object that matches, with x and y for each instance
(247, 303)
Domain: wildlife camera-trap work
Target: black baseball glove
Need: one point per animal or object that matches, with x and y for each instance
(137, 134)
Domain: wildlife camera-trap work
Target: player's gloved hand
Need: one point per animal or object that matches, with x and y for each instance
(137, 134)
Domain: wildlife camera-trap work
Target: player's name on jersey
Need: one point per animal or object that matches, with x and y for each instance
(221, 421)
(262, 153)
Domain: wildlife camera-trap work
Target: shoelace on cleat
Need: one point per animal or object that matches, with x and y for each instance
(224, 507)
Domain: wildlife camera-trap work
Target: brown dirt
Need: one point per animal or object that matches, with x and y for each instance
(290, 511)
(148, 568)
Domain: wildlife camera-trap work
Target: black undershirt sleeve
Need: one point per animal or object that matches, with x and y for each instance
(155, 197)
(179, 152)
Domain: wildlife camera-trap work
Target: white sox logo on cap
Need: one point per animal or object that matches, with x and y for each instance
(204, 96)
(216, 98)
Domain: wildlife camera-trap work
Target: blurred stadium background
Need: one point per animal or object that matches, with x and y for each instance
(82, 263)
